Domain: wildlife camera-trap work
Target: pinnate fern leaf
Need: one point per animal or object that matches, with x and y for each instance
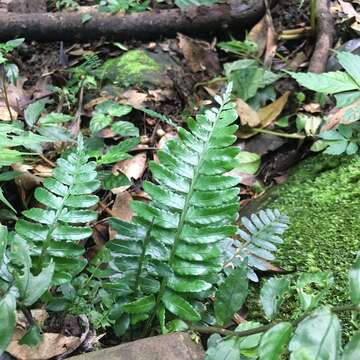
(259, 238)
(55, 229)
(179, 234)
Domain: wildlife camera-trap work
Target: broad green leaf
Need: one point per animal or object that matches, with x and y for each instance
(33, 112)
(354, 281)
(32, 337)
(351, 63)
(9, 175)
(327, 83)
(250, 341)
(352, 348)
(9, 157)
(224, 349)
(272, 295)
(310, 298)
(317, 337)
(7, 318)
(12, 72)
(125, 128)
(3, 242)
(54, 118)
(231, 295)
(121, 325)
(274, 341)
(99, 121)
(179, 306)
(346, 98)
(248, 162)
(111, 181)
(112, 108)
(142, 305)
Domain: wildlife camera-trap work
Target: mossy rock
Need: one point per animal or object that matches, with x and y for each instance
(322, 199)
(135, 67)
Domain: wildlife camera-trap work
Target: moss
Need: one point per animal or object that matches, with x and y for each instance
(322, 199)
(135, 67)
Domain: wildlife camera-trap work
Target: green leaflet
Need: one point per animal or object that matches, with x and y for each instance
(231, 295)
(327, 83)
(354, 281)
(317, 337)
(176, 238)
(272, 295)
(273, 342)
(352, 348)
(351, 63)
(52, 230)
(7, 318)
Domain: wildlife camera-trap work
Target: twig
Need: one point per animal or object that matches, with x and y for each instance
(49, 162)
(285, 135)
(264, 328)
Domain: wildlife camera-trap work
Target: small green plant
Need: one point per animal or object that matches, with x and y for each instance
(114, 6)
(66, 4)
(10, 69)
(238, 47)
(314, 334)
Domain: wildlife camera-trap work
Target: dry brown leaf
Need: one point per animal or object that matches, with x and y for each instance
(52, 345)
(199, 55)
(312, 108)
(4, 112)
(43, 170)
(271, 38)
(18, 97)
(121, 208)
(337, 116)
(133, 98)
(134, 167)
(168, 136)
(269, 113)
(92, 103)
(39, 315)
(258, 35)
(248, 116)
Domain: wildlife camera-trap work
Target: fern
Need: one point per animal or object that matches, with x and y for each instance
(53, 230)
(172, 251)
(260, 241)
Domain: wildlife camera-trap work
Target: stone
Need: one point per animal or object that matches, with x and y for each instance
(135, 67)
(177, 346)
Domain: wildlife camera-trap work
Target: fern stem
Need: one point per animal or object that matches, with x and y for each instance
(284, 135)
(142, 258)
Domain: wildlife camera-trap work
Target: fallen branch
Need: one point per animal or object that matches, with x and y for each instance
(70, 27)
(324, 37)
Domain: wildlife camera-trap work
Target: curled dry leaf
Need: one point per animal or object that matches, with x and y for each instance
(121, 208)
(345, 115)
(133, 98)
(51, 346)
(258, 35)
(248, 116)
(134, 167)
(199, 55)
(43, 170)
(268, 114)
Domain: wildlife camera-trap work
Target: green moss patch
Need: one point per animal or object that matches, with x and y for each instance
(135, 67)
(322, 199)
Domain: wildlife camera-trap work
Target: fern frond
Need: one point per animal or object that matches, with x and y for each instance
(193, 210)
(260, 238)
(55, 229)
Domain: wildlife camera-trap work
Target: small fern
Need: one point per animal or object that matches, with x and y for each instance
(260, 241)
(172, 252)
(53, 230)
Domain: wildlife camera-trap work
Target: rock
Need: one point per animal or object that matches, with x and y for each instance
(178, 346)
(135, 67)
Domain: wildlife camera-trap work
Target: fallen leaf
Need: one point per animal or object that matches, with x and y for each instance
(248, 116)
(18, 97)
(121, 208)
(271, 38)
(4, 113)
(43, 170)
(258, 35)
(160, 145)
(345, 115)
(312, 108)
(52, 345)
(39, 315)
(199, 55)
(269, 113)
(133, 98)
(133, 168)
